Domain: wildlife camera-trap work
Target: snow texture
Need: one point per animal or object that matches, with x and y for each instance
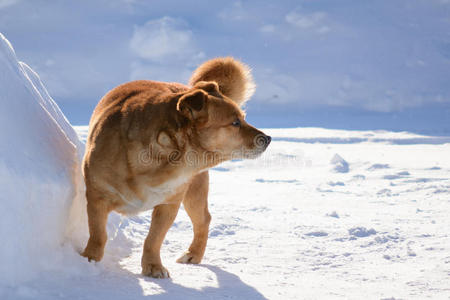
(285, 226)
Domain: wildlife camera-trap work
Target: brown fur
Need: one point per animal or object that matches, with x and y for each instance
(149, 146)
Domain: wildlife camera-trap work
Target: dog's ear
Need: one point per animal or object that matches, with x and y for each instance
(193, 104)
(211, 87)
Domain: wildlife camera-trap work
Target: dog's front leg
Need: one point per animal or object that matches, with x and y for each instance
(196, 204)
(162, 218)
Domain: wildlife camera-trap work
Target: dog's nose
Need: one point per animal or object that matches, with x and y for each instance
(262, 141)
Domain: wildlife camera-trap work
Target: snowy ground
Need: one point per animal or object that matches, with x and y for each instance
(323, 214)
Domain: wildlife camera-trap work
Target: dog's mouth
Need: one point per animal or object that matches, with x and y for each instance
(248, 154)
(253, 154)
(260, 144)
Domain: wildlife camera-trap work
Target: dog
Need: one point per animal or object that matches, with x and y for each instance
(150, 145)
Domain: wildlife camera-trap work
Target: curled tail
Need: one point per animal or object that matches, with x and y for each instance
(233, 77)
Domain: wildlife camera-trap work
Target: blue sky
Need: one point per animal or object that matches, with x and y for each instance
(340, 64)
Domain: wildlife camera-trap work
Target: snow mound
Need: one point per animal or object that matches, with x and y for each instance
(333, 214)
(317, 233)
(361, 232)
(378, 167)
(340, 165)
(42, 194)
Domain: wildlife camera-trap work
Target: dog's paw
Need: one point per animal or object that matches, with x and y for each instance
(155, 271)
(93, 254)
(189, 258)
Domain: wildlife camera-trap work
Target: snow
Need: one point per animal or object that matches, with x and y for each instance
(39, 172)
(285, 226)
(340, 166)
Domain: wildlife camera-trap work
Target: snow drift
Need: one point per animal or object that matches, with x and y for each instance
(41, 188)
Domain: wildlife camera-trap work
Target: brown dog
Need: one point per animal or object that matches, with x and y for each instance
(150, 145)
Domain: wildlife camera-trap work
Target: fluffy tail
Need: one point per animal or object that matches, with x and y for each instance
(233, 77)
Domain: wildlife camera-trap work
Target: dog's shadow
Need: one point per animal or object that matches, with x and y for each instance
(123, 284)
(229, 286)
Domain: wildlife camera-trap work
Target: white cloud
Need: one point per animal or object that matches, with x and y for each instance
(6, 3)
(316, 21)
(312, 89)
(305, 21)
(269, 28)
(274, 87)
(298, 23)
(160, 72)
(165, 49)
(163, 39)
(235, 12)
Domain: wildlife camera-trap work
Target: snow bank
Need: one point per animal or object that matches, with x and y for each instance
(41, 189)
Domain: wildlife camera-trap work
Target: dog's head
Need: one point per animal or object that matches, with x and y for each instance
(217, 125)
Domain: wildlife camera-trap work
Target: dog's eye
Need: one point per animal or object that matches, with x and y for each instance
(236, 123)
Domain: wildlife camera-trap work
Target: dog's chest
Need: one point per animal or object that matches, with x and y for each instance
(152, 196)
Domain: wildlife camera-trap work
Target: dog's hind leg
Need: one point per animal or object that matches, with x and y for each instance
(98, 210)
(196, 205)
